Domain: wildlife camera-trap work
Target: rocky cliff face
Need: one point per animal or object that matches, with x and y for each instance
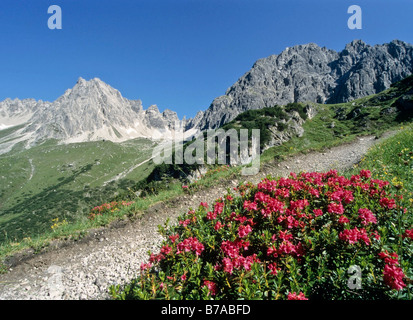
(91, 110)
(16, 112)
(311, 73)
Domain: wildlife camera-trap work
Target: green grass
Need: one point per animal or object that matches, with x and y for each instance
(326, 131)
(68, 181)
(76, 229)
(64, 181)
(392, 160)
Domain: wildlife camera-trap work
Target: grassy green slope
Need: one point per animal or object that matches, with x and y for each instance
(64, 181)
(392, 160)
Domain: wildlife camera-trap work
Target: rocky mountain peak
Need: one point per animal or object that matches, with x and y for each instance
(310, 73)
(356, 46)
(153, 109)
(91, 110)
(93, 86)
(81, 81)
(170, 115)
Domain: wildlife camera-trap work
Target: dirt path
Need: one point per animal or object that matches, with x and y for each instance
(85, 269)
(126, 172)
(31, 168)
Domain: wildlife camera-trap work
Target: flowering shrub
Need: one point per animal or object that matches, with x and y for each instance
(289, 238)
(221, 168)
(107, 208)
(58, 224)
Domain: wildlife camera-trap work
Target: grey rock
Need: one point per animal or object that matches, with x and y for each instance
(194, 122)
(90, 111)
(309, 73)
(294, 128)
(390, 110)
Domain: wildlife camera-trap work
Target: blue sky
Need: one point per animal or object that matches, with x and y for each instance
(177, 54)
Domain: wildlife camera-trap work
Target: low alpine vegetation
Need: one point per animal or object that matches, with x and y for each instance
(108, 208)
(299, 237)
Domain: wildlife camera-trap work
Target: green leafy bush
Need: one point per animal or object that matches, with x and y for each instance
(261, 119)
(252, 115)
(295, 106)
(308, 236)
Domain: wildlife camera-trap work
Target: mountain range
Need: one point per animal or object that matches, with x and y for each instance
(309, 73)
(92, 110)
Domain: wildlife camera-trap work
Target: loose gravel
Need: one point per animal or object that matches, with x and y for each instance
(85, 269)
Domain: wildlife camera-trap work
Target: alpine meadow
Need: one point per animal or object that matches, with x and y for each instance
(293, 182)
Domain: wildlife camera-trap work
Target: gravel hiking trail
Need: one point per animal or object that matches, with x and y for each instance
(84, 269)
